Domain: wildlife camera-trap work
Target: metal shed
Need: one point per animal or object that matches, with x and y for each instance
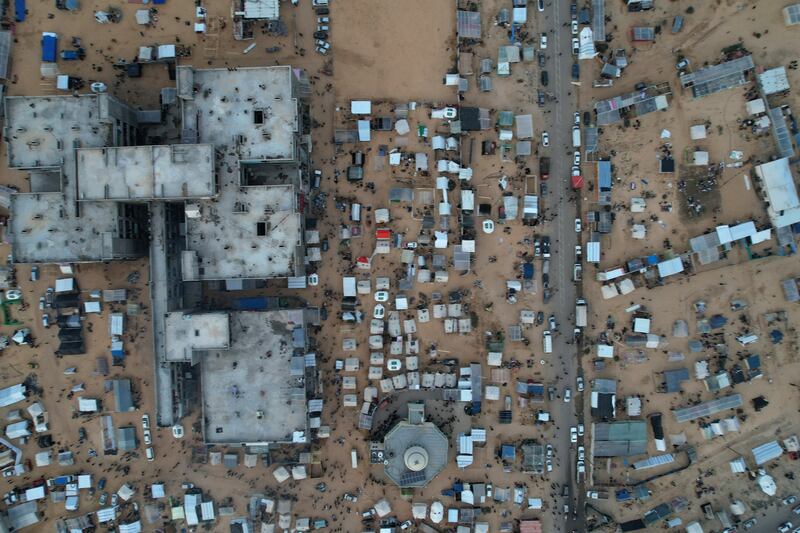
(468, 24)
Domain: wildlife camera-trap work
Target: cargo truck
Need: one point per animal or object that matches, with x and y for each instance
(544, 168)
(580, 313)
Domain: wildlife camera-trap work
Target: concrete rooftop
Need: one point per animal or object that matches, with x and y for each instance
(259, 236)
(249, 393)
(178, 171)
(252, 111)
(43, 131)
(189, 332)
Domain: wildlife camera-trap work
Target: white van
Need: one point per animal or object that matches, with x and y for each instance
(547, 342)
(576, 136)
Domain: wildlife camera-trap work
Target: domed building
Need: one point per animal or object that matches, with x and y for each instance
(415, 451)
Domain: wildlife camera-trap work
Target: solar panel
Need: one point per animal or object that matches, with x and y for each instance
(412, 478)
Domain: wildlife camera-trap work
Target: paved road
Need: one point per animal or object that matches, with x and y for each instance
(562, 233)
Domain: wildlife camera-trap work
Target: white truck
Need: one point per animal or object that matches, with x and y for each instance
(580, 313)
(547, 342)
(576, 136)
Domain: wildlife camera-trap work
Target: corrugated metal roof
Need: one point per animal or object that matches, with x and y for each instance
(261, 9)
(693, 412)
(718, 77)
(12, 395)
(469, 24)
(767, 452)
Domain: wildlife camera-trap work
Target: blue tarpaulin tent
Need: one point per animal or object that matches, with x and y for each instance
(508, 452)
(717, 321)
(19, 10)
(49, 47)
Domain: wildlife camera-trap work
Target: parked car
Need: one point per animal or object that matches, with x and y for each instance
(573, 434)
(34, 273)
(576, 71)
(578, 250)
(574, 27)
(321, 34)
(544, 78)
(323, 20)
(789, 500)
(543, 41)
(587, 118)
(103, 499)
(145, 421)
(540, 318)
(581, 467)
(545, 139)
(576, 46)
(567, 395)
(407, 524)
(576, 118)
(580, 430)
(540, 5)
(114, 499)
(42, 302)
(581, 453)
(46, 320)
(322, 44)
(540, 98)
(573, 11)
(542, 59)
(101, 484)
(576, 158)
(785, 527)
(150, 454)
(578, 226)
(348, 497)
(148, 437)
(549, 465)
(577, 272)
(750, 523)
(579, 382)
(321, 486)
(552, 323)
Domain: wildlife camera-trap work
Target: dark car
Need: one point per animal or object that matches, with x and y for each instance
(322, 10)
(587, 118)
(321, 35)
(540, 318)
(573, 10)
(544, 78)
(101, 484)
(542, 59)
(450, 362)
(576, 71)
(540, 98)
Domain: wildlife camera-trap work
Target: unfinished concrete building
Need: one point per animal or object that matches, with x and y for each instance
(224, 204)
(255, 376)
(258, 121)
(47, 223)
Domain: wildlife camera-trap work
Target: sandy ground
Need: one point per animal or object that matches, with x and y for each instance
(405, 56)
(712, 26)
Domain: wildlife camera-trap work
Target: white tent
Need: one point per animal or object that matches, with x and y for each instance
(586, 39)
(437, 512)
(383, 508)
(281, 474)
(698, 131)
